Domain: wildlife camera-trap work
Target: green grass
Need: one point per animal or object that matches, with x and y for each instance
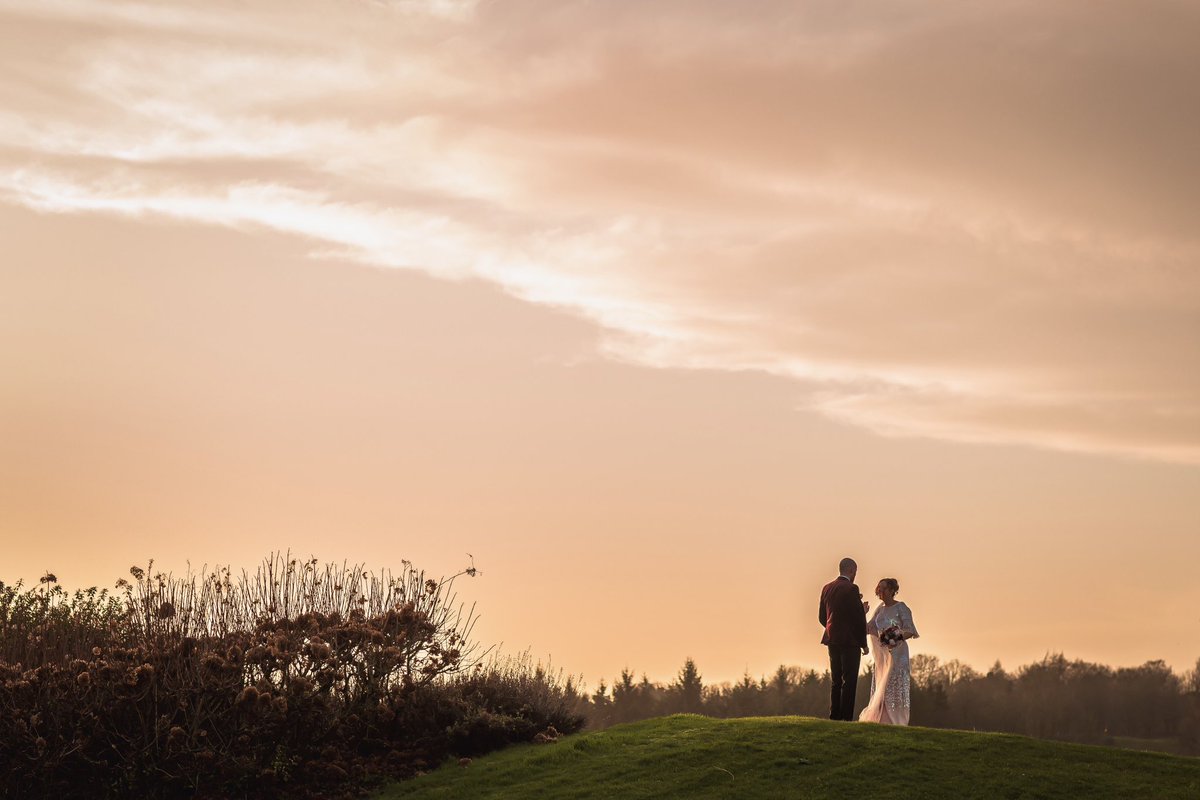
(692, 758)
(1156, 745)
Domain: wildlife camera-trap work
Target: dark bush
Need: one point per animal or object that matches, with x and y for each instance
(299, 681)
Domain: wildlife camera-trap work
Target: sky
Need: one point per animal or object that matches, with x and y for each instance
(657, 309)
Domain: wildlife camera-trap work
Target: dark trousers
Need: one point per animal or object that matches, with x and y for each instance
(843, 673)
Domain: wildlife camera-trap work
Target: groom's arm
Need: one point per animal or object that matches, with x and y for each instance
(858, 617)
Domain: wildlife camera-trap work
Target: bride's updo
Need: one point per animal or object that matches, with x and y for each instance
(891, 583)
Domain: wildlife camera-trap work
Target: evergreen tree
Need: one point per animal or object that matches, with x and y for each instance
(689, 689)
(625, 698)
(780, 690)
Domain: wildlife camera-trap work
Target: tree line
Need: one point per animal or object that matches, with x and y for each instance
(1054, 698)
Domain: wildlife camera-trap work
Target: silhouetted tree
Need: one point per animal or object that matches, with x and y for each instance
(688, 689)
(632, 701)
(779, 691)
(744, 698)
(1189, 724)
(602, 706)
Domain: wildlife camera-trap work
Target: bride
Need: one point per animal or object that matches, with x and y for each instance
(890, 628)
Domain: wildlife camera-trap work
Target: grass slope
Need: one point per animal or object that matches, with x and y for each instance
(799, 757)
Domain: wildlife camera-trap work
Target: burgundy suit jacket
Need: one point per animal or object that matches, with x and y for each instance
(842, 615)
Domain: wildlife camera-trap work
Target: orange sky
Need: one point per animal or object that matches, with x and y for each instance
(658, 309)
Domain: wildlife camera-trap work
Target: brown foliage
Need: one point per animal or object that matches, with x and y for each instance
(299, 680)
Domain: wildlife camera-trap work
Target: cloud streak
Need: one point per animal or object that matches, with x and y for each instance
(968, 223)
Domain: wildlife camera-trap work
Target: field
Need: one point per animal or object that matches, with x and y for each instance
(688, 757)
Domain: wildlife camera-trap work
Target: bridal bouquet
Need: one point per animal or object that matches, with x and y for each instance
(890, 637)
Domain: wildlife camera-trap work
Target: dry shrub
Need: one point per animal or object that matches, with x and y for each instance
(510, 699)
(301, 680)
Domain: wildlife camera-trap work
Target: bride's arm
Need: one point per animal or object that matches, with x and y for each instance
(907, 629)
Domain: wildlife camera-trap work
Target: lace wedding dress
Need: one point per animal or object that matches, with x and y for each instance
(890, 702)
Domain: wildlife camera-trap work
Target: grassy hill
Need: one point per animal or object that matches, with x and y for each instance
(769, 758)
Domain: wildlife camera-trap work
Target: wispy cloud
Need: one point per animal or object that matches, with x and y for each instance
(971, 223)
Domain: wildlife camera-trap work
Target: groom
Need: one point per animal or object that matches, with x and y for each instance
(844, 616)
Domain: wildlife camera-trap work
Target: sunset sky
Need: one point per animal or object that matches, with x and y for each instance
(656, 308)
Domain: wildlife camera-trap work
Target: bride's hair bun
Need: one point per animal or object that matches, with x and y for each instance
(892, 583)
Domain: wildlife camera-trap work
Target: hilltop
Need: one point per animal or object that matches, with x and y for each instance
(687, 757)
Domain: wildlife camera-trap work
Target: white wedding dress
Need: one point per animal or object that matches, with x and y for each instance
(890, 680)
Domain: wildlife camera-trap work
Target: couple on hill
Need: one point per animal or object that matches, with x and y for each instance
(843, 613)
